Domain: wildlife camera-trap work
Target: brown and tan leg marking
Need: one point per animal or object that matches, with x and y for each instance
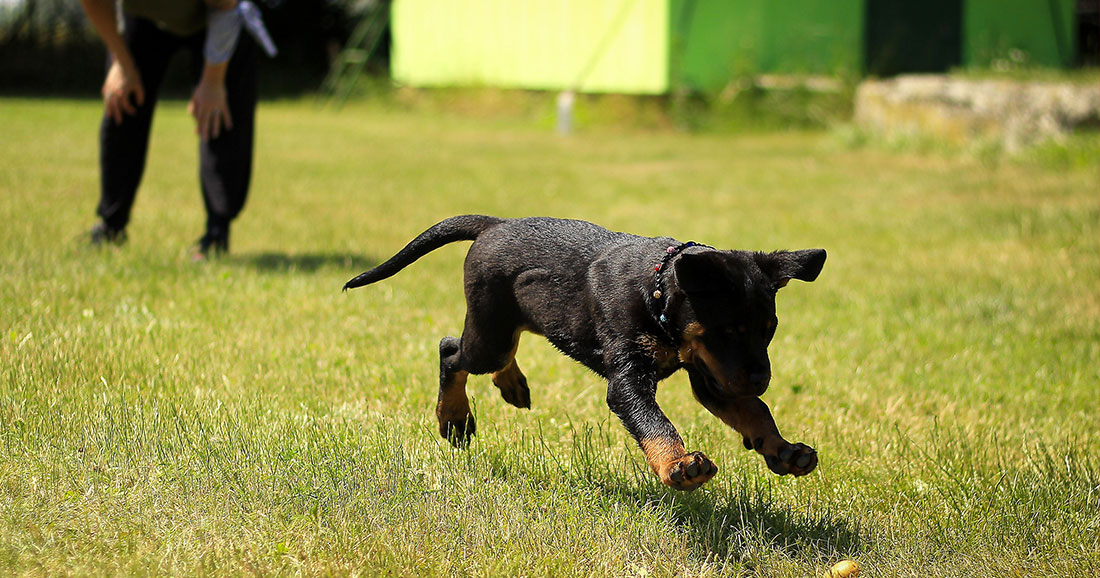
(748, 415)
(753, 420)
(456, 421)
(676, 467)
(510, 380)
(513, 385)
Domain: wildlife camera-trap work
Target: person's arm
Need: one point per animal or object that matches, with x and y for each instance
(123, 80)
(209, 102)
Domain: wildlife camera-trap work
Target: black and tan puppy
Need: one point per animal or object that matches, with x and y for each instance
(632, 309)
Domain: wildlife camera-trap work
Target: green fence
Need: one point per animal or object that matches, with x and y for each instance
(654, 46)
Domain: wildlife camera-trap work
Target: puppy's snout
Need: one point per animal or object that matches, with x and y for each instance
(759, 381)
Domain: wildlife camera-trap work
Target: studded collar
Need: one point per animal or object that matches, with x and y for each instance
(658, 301)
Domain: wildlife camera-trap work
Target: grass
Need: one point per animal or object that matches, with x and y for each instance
(244, 417)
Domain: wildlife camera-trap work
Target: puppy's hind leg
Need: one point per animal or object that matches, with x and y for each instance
(456, 421)
(477, 352)
(488, 345)
(512, 383)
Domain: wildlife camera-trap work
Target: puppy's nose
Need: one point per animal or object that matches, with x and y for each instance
(760, 380)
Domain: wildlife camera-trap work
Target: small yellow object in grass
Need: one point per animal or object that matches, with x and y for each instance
(843, 569)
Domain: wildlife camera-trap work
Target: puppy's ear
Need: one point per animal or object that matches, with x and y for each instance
(782, 266)
(701, 273)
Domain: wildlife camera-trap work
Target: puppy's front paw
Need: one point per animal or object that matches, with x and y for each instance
(795, 459)
(689, 472)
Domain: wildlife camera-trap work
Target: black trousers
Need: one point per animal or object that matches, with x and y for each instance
(225, 163)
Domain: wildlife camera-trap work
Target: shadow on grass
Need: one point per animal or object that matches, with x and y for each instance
(740, 520)
(271, 262)
(733, 519)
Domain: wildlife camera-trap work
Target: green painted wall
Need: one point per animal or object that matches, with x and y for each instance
(714, 41)
(538, 45)
(812, 36)
(1044, 30)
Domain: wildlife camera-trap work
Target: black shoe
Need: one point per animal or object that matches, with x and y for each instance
(102, 235)
(211, 245)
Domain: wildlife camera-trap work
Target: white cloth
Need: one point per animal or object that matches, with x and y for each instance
(224, 27)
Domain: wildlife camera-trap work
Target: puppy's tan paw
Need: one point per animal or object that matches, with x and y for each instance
(689, 472)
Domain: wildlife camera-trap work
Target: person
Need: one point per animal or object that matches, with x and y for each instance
(141, 37)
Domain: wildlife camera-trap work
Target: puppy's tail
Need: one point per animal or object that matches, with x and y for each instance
(461, 228)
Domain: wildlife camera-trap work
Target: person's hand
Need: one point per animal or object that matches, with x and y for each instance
(210, 107)
(122, 91)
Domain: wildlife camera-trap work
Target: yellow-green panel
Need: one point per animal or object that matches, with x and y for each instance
(591, 46)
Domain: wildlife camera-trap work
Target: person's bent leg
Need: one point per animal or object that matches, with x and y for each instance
(123, 145)
(225, 162)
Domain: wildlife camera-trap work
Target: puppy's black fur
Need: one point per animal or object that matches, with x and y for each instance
(632, 309)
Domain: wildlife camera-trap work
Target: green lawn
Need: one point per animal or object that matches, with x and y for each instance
(246, 417)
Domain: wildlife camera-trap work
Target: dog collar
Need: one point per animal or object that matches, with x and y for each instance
(657, 304)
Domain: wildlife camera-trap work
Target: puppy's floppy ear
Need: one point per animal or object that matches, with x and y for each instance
(782, 266)
(701, 273)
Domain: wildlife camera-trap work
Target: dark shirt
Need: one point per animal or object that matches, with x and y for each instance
(180, 17)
